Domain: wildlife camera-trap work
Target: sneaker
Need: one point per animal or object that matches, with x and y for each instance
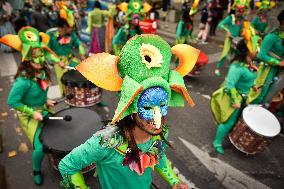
(204, 42)
(217, 72)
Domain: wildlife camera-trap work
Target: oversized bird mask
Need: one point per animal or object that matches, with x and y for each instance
(144, 62)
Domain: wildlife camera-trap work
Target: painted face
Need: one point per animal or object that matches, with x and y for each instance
(152, 106)
(38, 56)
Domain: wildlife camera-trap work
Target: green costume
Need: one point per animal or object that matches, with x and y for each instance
(122, 35)
(30, 94)
(107, 149)
(184, 32)
(272, 43)
(233, 25)
(143, 63)
(65, 52)
(260, 24)
(238, 82)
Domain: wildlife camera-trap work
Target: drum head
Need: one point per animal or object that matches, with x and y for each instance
(261, 121)
(63, 135)
(74, 78)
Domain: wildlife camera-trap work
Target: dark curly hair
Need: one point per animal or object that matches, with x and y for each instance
(26, 69)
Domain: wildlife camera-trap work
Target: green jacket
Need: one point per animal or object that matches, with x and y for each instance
(107, 149)
(238, 82)
(259, 25)
(231, 25)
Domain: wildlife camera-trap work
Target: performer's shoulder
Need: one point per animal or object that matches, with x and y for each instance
(111, 136)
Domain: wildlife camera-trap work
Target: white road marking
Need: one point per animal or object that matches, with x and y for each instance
(229, 176)
(53, 92)
(8, 64)
(281, 135)
(206, 96)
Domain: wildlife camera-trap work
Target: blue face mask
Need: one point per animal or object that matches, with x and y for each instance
(153, 102)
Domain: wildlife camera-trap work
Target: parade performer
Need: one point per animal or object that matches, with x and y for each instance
(260, 21)
(233, 25)
(97, 28)
(6, 26)
(124, 33)
(184, 29)
(29, 92)
(271, 55)
(126, 151)
(228, 101)
(62, 43)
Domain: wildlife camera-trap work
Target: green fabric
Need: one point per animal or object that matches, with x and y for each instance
(223, 130)
(59, 73)
(271, 43)
(260, 26)
(183, 34)
(225, 52)
(78, 180)
(119, 40)
(239, 80)
(38, 154)
(96, 18)
(27, 92)
(229, 25)
(111, 173)
(63, 49)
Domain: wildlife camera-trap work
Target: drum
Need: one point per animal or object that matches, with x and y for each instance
(59, 137)
(85, 92)
(255, 130)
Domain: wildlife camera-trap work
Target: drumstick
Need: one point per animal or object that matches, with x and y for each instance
(68, 97)
(69, 68)
(65, 118)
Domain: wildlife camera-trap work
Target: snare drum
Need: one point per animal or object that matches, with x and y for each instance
(254, 130)
(59, 137)
(85, 92)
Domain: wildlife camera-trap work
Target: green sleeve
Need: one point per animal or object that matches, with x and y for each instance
(165, 170)
(117, 38)
(232, 79)
(179, 29)
(225, 22)
(80, 157)
(265, 48)
(164, 167)
(53, 58)
(19, 89)
(254, 22)
(78, 43)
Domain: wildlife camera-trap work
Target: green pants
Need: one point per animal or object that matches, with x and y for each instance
(38, 154)
(224, 128)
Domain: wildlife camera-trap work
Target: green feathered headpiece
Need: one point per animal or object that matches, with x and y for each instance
(144, 62)
(29, 38)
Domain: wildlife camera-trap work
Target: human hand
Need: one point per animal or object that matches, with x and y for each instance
(61, 64)
(180, 186)
(50, 103)
(83, 57)
(281, 64)
(236, 106)
(37, 116)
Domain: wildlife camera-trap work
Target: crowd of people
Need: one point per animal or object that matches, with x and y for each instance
(83, 35)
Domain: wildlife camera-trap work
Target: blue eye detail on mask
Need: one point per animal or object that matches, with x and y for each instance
(154, 96)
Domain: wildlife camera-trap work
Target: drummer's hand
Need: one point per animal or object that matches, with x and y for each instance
(61, 64)
(236, 106)
(50, 103)
(37, 116)
(281, 64)
(255, 88)
(83, 57)
(180, 186)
